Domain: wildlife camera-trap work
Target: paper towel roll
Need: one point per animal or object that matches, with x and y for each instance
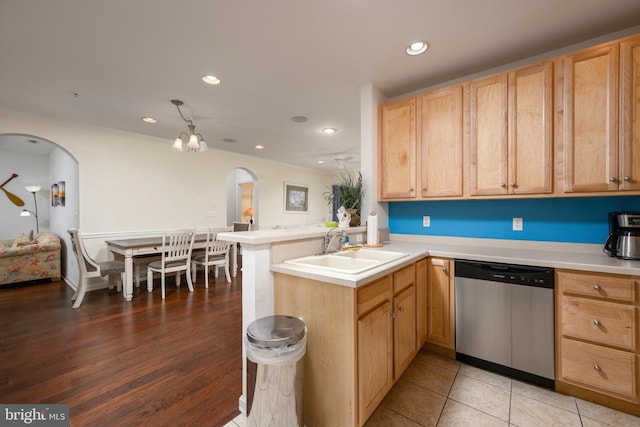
(372, 229)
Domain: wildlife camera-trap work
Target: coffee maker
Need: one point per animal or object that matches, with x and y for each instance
(624, 235)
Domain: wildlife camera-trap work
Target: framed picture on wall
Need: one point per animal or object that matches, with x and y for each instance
(296, 198)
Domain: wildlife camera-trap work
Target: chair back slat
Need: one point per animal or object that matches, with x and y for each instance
(177, 244)
(216, 248)
(85, 263)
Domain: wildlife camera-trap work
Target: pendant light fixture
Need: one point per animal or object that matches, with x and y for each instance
(194, 141)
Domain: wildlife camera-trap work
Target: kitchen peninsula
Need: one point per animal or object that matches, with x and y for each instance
(264, 253)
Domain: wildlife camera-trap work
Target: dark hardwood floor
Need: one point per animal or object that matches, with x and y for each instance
(146, 362)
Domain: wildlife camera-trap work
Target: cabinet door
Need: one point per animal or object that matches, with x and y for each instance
(404, 329)
(591, 120)
(441, 132)
(488, 136)
(375, 359)
(421, 302)
(630, 132)
(397, 149)
(531, 129)
(440, 303)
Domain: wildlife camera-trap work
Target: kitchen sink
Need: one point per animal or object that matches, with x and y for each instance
(373, 254)
(348, 262)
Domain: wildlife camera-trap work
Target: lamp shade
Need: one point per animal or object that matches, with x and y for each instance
(25, 213)
(177, 145)
(250, 211)
(193, 142)
(32, 188)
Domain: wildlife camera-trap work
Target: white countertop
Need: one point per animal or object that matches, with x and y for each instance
(543, 254)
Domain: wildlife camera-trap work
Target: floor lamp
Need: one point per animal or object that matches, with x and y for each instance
(33, 189)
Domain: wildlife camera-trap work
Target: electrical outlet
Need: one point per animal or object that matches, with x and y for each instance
(518, 223)
(358, 238)
(211, 214)
(426, 221)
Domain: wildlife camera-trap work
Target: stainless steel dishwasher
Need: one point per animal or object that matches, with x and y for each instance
(505, 319)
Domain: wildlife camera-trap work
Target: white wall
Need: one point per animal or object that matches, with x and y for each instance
(129, 183)
(31, 170)
(63, 167)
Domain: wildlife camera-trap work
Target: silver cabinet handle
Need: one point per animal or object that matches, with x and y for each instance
(597, 287)
(401, 308)
(394, 315)
(597, 322)
(445, 269)
(596, 368)
(627, 178)
(503, 185)
(612, 179)
(513, 184)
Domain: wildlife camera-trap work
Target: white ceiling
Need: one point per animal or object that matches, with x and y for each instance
(277, 59)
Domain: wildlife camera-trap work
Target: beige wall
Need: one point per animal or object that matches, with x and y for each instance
(130, 182)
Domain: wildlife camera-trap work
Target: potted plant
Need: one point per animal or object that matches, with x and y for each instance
(349, 192)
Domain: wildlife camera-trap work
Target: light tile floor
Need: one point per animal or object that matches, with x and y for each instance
(436, 391)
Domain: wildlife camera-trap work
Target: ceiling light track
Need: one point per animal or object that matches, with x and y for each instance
(194, 141)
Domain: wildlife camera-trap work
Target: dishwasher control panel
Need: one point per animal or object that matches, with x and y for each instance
(506, 273)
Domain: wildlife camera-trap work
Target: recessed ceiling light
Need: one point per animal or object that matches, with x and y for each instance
(321, 162)
(211, 79)
(229, 140)
(299, 119)
(259, 147)
(416, 48)
(329, 131)
(149, 120)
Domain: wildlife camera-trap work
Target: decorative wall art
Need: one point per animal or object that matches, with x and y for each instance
(296, 198)
(58, 193)
(14, 199)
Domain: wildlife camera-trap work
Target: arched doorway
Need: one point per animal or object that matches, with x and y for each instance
(40, 162)
(242, 197)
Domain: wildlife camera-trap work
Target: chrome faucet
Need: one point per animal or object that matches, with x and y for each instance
(330, 237)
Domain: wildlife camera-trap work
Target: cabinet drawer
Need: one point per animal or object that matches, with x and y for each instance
(599, 321)
(599, 368)
(372, 295)
(621, 288)
(404, 278)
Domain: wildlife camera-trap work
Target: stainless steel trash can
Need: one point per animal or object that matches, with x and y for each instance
(275, 348)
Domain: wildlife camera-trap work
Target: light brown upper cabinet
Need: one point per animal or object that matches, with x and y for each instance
(397, 150)
(601, 118)
(441, 133)
(630, 131)
(511, 132)
(420, 143)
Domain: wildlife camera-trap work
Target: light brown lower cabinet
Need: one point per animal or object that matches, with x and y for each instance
(597, 338)
(359, 341)
(440, 306)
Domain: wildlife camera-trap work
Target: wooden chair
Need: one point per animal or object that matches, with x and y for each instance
(90, 268)
(241, 226)
(237, 249)
(216, 255)
(177, 245)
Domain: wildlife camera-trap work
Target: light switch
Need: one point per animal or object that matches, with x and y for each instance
(211, 214)
(517, 224)
(426, 221)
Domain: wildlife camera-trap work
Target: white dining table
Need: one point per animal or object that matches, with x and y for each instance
(128, 249)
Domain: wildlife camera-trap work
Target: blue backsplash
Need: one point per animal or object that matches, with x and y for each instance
(568, 219)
